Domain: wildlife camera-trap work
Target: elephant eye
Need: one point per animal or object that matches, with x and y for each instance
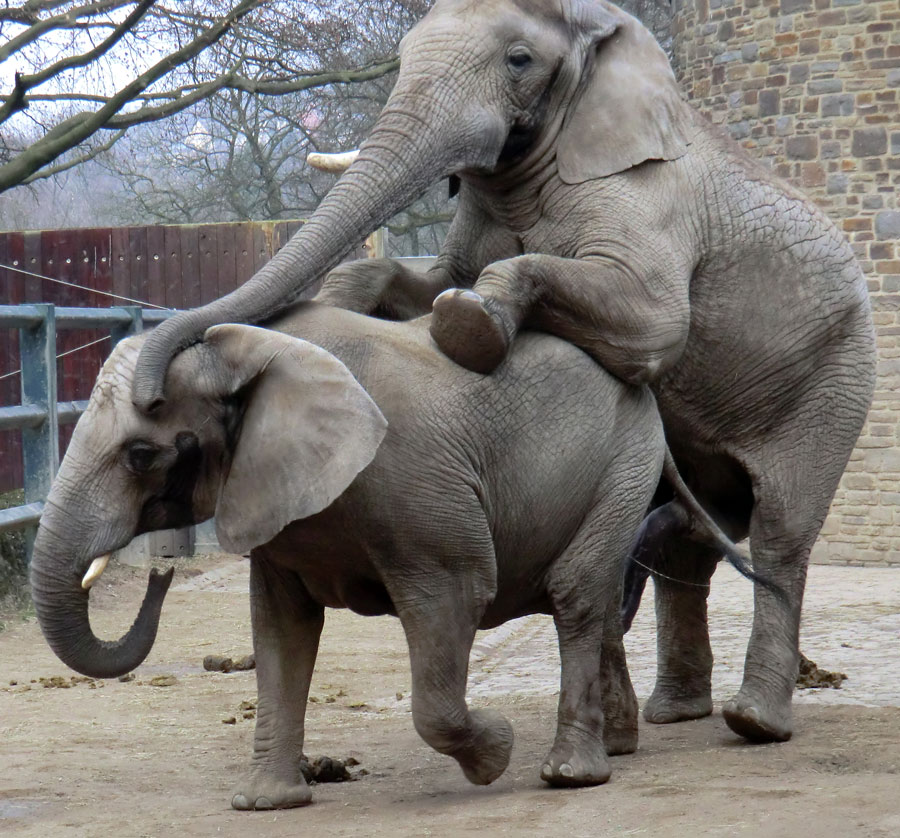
(518, 58)
(140, 456)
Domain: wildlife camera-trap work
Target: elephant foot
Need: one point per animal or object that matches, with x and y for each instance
(757, 719)
(570, 767)
(466, 332)
(261, 791)
(663, 708)
(621, 741)
(487, 754)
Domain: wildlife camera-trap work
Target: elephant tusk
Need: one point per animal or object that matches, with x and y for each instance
(338, 162)
(94, 571)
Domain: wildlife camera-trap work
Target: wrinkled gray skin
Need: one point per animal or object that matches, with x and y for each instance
(597, 205)
(483, 499)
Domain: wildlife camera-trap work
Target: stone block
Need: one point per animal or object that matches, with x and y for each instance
(727, 57)
(887, 225)
(895, 142)
(893, 78)
(739, 130)
(769, 102)
(812, 174)
(798, 73)
(789, 7)
(750, 52)
(869, 142)
(820, 87)
(802, 148)
(836, 184)
(837, 104)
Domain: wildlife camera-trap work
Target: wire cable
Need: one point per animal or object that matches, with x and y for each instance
(82, 288)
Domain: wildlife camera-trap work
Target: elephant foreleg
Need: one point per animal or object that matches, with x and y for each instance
(387, 288)
(383, 288)
(634, 325)
(286, 628)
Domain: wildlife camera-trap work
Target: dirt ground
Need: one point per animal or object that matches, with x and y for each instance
(134, 759)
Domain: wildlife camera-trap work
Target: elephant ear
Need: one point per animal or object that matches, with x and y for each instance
(628, 108)
(308, 429)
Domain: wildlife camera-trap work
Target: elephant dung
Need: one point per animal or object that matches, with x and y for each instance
(810, 677)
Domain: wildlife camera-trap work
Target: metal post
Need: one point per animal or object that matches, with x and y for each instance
(135, 327)
(40, 444)
(377, 244)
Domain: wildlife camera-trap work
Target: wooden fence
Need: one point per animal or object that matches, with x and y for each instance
(170, 266)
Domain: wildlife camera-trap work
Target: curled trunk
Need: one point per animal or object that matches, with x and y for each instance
(62, 610)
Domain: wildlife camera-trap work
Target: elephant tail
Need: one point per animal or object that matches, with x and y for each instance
(710, 532)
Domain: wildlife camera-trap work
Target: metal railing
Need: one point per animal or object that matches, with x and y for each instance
(40, 414)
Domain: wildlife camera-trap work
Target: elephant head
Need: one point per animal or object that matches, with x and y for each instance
(493, 89)
(260, 429)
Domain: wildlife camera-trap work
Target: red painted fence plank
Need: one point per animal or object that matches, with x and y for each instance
(173, 266)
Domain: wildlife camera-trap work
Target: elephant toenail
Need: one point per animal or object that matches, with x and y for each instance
(263, 803)
(240, 802)
(546, 771)
(566, 770)
(471, 295)
(445, 295)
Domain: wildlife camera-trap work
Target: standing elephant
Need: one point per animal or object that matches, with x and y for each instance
(458, 502)
(595, 204)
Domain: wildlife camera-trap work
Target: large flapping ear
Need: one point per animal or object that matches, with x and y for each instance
(628, 107)
(308, 429)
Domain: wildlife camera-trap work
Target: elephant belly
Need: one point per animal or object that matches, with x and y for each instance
(334, 564)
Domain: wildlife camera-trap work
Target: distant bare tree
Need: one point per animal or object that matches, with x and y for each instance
(88, 70)
(243, 156)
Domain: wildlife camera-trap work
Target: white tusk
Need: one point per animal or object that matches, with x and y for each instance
(94, 571)
(338, 162)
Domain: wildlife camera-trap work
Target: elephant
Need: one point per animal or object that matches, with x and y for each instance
(362, 469)
(596, 204)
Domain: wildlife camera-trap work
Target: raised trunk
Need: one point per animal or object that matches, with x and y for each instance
(406, 152)
(62, 609)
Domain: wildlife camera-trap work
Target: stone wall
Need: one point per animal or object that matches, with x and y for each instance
(812, 87)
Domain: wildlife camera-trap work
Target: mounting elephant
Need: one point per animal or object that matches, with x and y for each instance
(391, 481)
(595, 204)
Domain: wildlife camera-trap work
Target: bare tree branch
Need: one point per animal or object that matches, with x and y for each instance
(42, 27)
(91, 154)
(16, 100)
(74, 130)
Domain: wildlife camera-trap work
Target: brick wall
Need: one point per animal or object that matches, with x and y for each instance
(812, 87)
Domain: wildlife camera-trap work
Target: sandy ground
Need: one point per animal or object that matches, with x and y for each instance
(131, 759)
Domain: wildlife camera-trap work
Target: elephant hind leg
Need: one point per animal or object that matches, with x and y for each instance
(440, 630)
(783, 529)
(761, 710)
(683, 688)
(598, 711)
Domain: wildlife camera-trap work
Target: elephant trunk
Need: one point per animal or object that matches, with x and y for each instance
(62, 609)
(406, 152)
